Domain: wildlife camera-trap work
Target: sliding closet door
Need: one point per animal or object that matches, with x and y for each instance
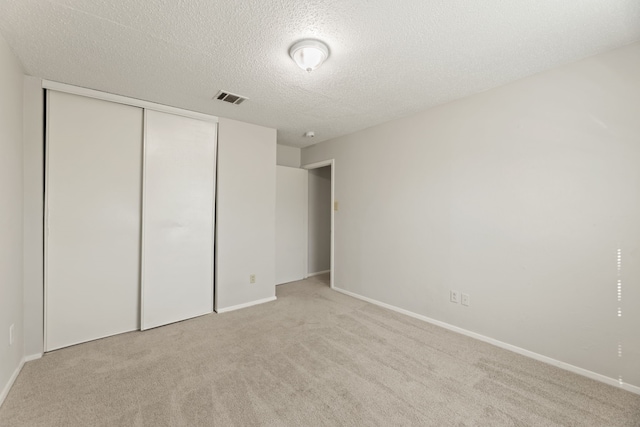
(93, 191)
(178, 218)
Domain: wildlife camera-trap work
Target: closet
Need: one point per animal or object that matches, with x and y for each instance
(129, 217)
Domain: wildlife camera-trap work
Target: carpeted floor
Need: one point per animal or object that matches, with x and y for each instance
(313, 357)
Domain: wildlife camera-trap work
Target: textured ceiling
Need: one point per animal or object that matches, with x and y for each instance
(388, 58)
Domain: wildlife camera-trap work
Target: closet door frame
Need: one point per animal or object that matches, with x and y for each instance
(91, 93)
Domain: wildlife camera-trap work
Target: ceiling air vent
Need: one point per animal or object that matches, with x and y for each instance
(231, 98)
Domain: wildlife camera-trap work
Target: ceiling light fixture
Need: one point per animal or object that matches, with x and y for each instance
(309, 54)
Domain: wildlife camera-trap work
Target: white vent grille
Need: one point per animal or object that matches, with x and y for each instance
(231, 98)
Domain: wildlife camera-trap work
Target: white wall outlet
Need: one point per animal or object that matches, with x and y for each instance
(466, 299)
(11, 334)
(252, 278)
(455, 297)
(335, 205)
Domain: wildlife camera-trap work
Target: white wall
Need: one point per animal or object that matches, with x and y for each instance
(520, 196)
(291, 224)
(33, 215)
(245, 218)
(288, 156)
(11, 295)
(319, 219)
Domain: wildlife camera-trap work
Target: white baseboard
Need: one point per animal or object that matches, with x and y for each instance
(32, 357)
(506, 346)
(245, 305)
(317, 273)
(7, 387)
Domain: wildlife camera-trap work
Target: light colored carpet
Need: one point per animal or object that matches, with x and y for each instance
(313, 357)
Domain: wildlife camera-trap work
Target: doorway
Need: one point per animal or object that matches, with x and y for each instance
(321, 182)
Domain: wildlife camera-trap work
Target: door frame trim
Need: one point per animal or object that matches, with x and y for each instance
(316, 165)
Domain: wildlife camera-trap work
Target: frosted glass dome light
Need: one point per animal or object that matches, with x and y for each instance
(309, 54)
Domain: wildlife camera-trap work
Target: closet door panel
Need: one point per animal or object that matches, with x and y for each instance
(93, 191)
(178, 218)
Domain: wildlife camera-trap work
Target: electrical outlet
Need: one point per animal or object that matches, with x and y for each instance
(252, 278)
(455, 297)
(335, 206)
(466, 299)
(11, 335)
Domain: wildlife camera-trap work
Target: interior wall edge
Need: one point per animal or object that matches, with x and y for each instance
(245, 213)
(33, 211)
